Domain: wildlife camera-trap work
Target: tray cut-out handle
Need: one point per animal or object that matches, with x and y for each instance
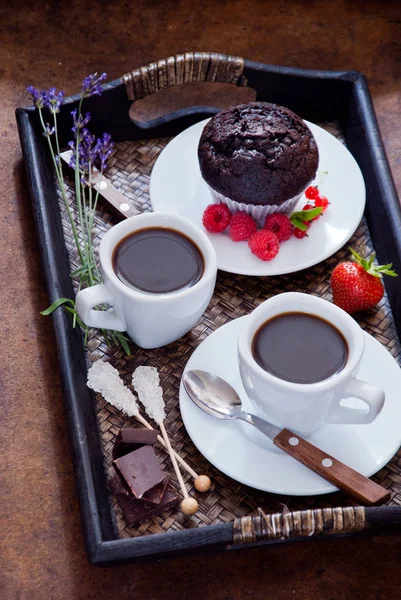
(184, 68)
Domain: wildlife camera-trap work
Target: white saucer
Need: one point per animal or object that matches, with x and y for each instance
(241, 452)
(177, 187)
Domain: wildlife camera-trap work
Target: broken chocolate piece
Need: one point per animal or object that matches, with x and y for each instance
(155, 495)
(130, 439)
(140, 470)
(136, 511)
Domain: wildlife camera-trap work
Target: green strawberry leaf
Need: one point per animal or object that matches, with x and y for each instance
(375, 270)
(371, 259)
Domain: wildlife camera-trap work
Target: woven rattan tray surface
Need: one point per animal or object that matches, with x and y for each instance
(234, 296)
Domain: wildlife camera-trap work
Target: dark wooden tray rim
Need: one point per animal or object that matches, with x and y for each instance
(317, 96)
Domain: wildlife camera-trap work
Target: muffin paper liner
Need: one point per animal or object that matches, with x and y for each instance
(258, 212)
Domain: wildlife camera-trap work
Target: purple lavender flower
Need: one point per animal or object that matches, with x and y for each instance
(53, 100)
(48, 131)
(80, 122)
(37, 97)
(50, 99)
(105, 147)
(71, 145)
(87, 151)
(91, 85)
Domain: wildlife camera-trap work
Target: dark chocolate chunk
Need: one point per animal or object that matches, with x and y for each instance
(130, 439)
(141, 470)
(155, 495)
(136, 511)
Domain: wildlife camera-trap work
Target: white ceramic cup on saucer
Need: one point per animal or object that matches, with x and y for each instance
(301, 407)
(150, 319)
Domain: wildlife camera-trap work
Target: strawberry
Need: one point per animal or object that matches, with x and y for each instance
(357, 285)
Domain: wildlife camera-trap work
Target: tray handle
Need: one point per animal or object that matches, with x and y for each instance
(184, 68)
(300, 523)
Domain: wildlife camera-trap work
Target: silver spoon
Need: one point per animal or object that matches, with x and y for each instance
(217, 398)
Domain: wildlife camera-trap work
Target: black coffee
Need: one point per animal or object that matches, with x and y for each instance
(157, 260)
(299, 347)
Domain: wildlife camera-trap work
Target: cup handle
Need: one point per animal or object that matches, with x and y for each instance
(90, 297)
(370, 394)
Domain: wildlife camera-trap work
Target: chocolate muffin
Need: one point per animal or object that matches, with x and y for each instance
(258, 155)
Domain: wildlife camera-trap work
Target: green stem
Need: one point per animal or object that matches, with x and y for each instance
(77, 172)
(92, 213)
(87, 240)
(96, 198)
(90, 228)
(61, 184)
(60, 165)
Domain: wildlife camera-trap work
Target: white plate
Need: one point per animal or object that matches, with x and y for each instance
(241, 452)
(176, 186)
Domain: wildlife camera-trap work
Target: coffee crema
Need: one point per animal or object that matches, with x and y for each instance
(300, 347)
(158, 260)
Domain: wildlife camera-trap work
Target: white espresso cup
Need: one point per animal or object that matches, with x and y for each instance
(151, 320)
(301, 407)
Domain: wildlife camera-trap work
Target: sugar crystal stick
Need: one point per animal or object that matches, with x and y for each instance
(146, 383)
(105, 379)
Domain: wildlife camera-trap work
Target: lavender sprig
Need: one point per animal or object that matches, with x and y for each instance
(53, 100)
(48, 131)
(86, 151)
(91, 85)
(50, 99)
(80, 122)
(104, 146)
(36, 96)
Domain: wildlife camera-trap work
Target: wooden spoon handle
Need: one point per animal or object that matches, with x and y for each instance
(117, 202)
(357, 486)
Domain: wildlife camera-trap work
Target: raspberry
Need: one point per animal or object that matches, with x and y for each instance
(280, 225)
(311, 192)
(216, 218)
(264, 244)
(322, 201)
(241, 227)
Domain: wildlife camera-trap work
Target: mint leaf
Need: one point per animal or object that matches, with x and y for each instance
(299, 224)
(306, 215)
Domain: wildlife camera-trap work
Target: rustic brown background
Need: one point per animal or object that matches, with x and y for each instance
(58, 43)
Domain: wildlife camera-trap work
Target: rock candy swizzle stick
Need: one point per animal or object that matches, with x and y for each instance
(104, 379)
(146, 384)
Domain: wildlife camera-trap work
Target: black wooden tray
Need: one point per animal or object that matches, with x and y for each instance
(317, 96)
